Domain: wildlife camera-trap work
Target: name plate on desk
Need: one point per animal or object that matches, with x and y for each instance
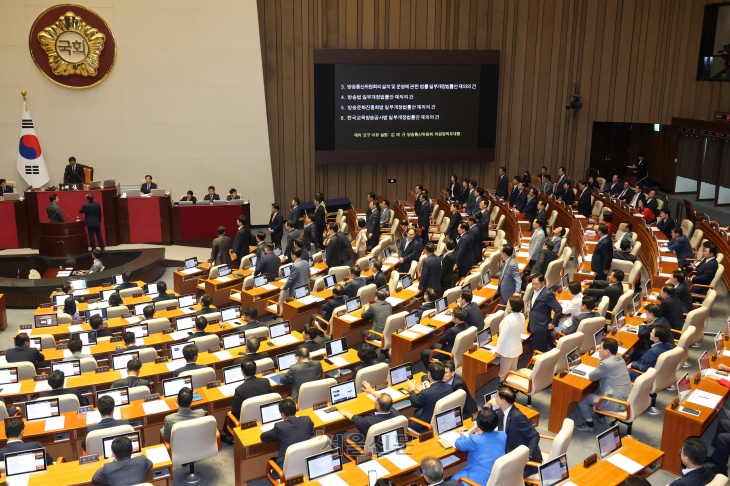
(363, 459)
(26, 327)
(84, 409)
(40, 378)
(138, 294)
(168, 331)
(45, 306)
(77, 321)
(269, 371)
(213, 384)
(171, 307)
(161, 360)
(102, 369)
(425, 436)
(192, 277)
(214, 349)
(319, 405)
(213, 321)
(590, 460)
(61, 346)
(128, 314)
(295, 480)
(115, 339)
(152, 398)
(89, 459)
(106, 284)
(92, 301)
(248, 424)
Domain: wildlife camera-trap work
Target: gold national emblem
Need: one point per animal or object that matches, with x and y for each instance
(72, 46)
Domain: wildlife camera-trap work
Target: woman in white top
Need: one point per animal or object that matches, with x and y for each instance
(572, 306)
(362, 239)
(509, 344)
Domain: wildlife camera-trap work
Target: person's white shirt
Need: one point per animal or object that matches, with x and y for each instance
(506, 414)
(535, 295)
(572, 307)
(509, 343)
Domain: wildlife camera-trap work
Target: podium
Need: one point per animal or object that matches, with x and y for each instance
(62, 239)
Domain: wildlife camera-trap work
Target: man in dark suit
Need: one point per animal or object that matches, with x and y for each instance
(615, 188)
(190, 353)
(243, 238)
(484, 211)
(378, 277)
(665, 223)
(269, 263)
(474, 316)
(584, 200)
(661, 339)
(502, 183)
(276, 225)
(320, 219)
(464, 250)
(252, 351)
(106, 410)
(695, 472)
(541, 303)
(295, 213)
(309, 238)
(291, 430)
(611, 288)
(252, 386)
(162, 293)
(432, 470)
(471, 200)
(464, 194)
(211, 196)
(670, 308)
(301, 372)
(200, 324)
(424, 215)
(530, 209)
(347, 255)
(625, 252)
(521, 199)
(373, 225)
(299, 272)
(705, 269)
(681, 246)
(545, 258)
(293, 234)
(378, 312)
(515, 191)
(5, 188)
(429, 302)
(74, 173)
(133, 367)
(409, 251)
(356, 282)
(430, 393)
(430, 270)
(333, 251)
(383, 411)
(653, 319)
(14, 428)
(309, 334)
(642, 168)
(448, 260)
(92, 221)
(519, 430)
(559, 187)
(54, 211)
(681, 290)
(126, 281)
(23, 351)
(458, 383)
(55, 381)
(148, 185)
(626, 194)
(337, 300)
(452, 230)
(446, 341)
(123, 469)
(603, 254)
(652, 202)
(220, 254)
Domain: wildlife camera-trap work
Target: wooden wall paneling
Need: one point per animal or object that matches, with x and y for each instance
(583, 128)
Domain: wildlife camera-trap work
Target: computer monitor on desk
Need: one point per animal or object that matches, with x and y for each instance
(232, 374)
(8, 375)
(133, 436)
(270, 413)
(46, 320)
(79, 283)
(343, 392)
(191, 262)
(336, 347)
(172, 386)
(554, 472)
(683, 388)
(25, 462)
(260, 280)
(119, 361)
(324, 463)
(353, 304)
(120, 395)
(390, 441)
(400, 374)
(184, 323)
(285, 361)
(608, 442)
(69, 368)
(448, 420)
(231, 312)
(41, 409)
(279, 329)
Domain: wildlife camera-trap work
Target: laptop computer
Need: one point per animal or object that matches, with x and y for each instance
(485, 278)
(11, 196)
(608, 442)
(573, 359)
(385, 289)
(412, 319)
(104, 294)
(176, 351)
(139, 330)
(704, 363)
(390, 441)
(400, 374)
(719, 343)
(277, 251)
(172, 386)
(232, 374)
(285, 361)
(119, 361)
(406, 281)
(224, 270)
(191, 262)
(619, 320)
(120, 395)
(87, 338)
(35, 342)
(484, 338)
(233, 340)
(353, 304)
(59, 300)
(260, 280)
(449, 421)
(8, 375)
(598, 338)
(184, 323)
(157, 192)
(554, 472)
(230, 313)
(117, 279)
(343, 392)
(187, 300)
(270, 413)
(109, 183)
(683, 388)
(336, 347)
(279, 329)
(69, 368)
(95, 312)
(441, 305)
(139, 308)
(254, 261)
(324, 463)
(386, 253)
(329, 281)
(133, 436)
(46, 320)
(286, 270)
(301, 291)
(25, 462)
(41, 409)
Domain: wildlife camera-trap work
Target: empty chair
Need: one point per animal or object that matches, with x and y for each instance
(561, 441)
(263, 364)
(26, 370)
(638, 401)
(277, 306)
(696, 318)
(88, 364)
(719, 480)
(508, 469)
(94, 444)
(200, 377)
(452, 294)
(531, 381)
(156, 326)
(295, 460)
(709, 301)
(623, 303)
(565, 345)
(589, 327)
(493, 321)
(633, 276)
(687, 226)
(66, 403)
(194, 440)
(696, 239)
(317, 257)
(124, 293)
(374, 375)
(204, 343)
(393, 281)
(552, 275)
(315, 391)
(112, 312)
(66, 319)
(363, 263)
(246, 261)
(462, 342)
(666, 375)
(603, 306)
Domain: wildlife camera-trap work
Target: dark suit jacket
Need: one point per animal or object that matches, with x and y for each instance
(347, 255)
(665, 226)
(649, 359)
(165, 296)
(602, 256)
(682, 292)
(558, 189)
(470, 406)
(93, 214)
(7, 190)
(309, 237)
(276, 223)
(145, 189)
(452, 229)
(430, 273)
(301, 373)
(290, 237)
(55, 213)
(294, 217)
(530, 209)
(626, 196)
(131, 471)
(447, 339)
(683, 249)
(105, 423)
(584, 203)
(331, 305)
(705, 272)
(599, 288)
(132, 381)
(521, 200)
(697, 477)
(615, 188)
(474, 316)
(671, 310)
(465, 253)
(268, 265)
(220, 254)
(333, 252)
(373, 227)
(545, 258)
(65, 391)
(24, 353)
(652, 204)
(311, 346)
(425, 401)
(447, 270)
(215, 197)
(251, 387)
(502, 186)
(413, 252)
(378, 279)
(320, 220)
(240, 243)
(74, 175)
(363, 424)
(24, 446)
(476, 244)
(288, 432)
(252, 356)
(187, 367)
(353, 286)
(513, 195)
(463, 197)
(426, 306)
(569, 197)
(540, 311)
(623, 255)
(424, 215)
(520, 431)
(470, 201)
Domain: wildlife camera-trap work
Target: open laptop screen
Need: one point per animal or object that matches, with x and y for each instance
(232, 374)
(95, 312)
(46, 320)
(352, 304)
(8, 375)
(150, 289)
(301, 291)
(69, 368)
(336, 347)
(176, 351)
(400, 374)
(87, 338)
(41, 409)
(120, 395)
(284, 361)
(441, 305)
(230, 313)
(25, 462)
(343, 392)
(598, 337)
(329, 281)
(172, 386)
(406, 281)
(78, 284)
(139, 308)
(260, 280)
(555, 471)
(448, 420)
(186, 300)
(184, 323)
(608, 441)
(233, 340)
(191, 262)
(484, 337)
(391, 441)
(106, 293)
(704, 363)
(139, 331)
(324, 463)
(683, 387)
(279, 329)
(412, 319)
(270, 412)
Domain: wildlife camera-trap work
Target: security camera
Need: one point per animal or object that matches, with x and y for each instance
(574, 105)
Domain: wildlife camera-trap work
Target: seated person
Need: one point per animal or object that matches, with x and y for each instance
(69, 307)
(303, 371)
(190, 353)
(337, 300)
(378, 312)
(378, 277)
(206, 305)
(96, 322)
(211, 196)
(695, 471)
(627, 235)
(483, 449)
(148, 185)
(123, 468)
(126, 281)
(260, 242)
(458, 383)
(232, 195)
(681, 290)
(162, 293)
(189, 197)
(309, 333)
(544, 258)
(653, 318)
(291, 430)
(430, 393)
(148, 312)
(76, 347)
(56, 381)
(368, 356)
(115, 300)
(252, 386)
(200, 324)
(23, 351)
(572, 306)
(514, 423)
(5, 188)
(96, 266)
(611, 288)
(625, 252)
(705, 269)
(132, 379)
(269, 263)
(250, 317)
(299, 243)
(251, 351)
(14, 428)
(429, 302)
(681, 246)
(129, 342)
(356, 282)
(106, 410)
(446, 341)
(384, 410)
(661, 339)
(570, 324)
(184, 399)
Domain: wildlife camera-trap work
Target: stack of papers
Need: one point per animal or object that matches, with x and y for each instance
(187, 310)
(521, 266)
(155, 406)
(188, 271)
(583, 367)
(489, 286)
(410, 335)
(523, 254)
(413, 288)
(228, 390)
(348, 318)
(380, 471)
(55, 423)
(589, 257)
(325, 416)
(132, 320)
(339, 361)
(421, 329)
(394, 301)
(158, 454)
(75, 328)
(450, 437)
(284, 340)
(223, 355)
(331, 480)
(400, 460)
(227, 278)
(669, 259)
(705, 399)
(10, 389)
(393, 393)
(310, 299)
(391, 260)
(442, 317)
(269, 286)
(623, 462)
(178, 335)
(173, 365)
(477, 299)
(65, 273)
(267, 427)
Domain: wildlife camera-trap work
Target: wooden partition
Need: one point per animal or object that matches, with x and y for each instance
(720, 241)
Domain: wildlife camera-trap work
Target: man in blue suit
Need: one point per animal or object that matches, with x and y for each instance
(519, 430)
(425, 401)
(356, 282)
(299, 272)
(430, 270)
(409, 250)
(584, 200)
(294, 215)
(661, 339)
(291, 430)
(510, 280)
(515, 191)
(680, 245)
(603, 254)
(92, 221)
(474, 316)
(521, 199)
(464, 250)
(502, 183)
(615, 188)
(269, 263)
(276, 225)
(541, 303)
(530, 209)
(665, 223)
(243, 237)
(706, 268)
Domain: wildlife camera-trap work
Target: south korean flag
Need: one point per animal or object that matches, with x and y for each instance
(31, 165)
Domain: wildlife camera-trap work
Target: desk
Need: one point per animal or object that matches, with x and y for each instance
(3, 314)
(15, 233)
(299, 314)
(257, 296)
(186, 283)
(146, 220)
(220, 288)
(196, 225)
(603, 473)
